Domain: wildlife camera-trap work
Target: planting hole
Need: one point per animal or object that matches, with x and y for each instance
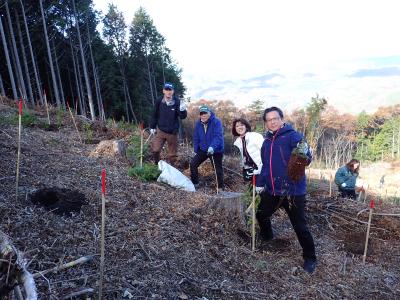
(60, 201)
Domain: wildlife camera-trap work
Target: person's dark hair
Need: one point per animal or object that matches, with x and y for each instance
(351, 163)
(273, 108)
(244, 122)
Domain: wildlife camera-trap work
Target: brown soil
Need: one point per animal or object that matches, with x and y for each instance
(162, 244)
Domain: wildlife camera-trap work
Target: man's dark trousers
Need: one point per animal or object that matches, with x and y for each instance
(199, 158)
(294, 207)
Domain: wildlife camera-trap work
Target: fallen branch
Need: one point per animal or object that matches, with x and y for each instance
(17, 277)
(79, 261)
(79, 293)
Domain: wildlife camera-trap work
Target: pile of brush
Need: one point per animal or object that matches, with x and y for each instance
(15, 281)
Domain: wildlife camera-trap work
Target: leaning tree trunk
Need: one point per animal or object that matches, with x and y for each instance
(59, 77)
(15, 51)
(154, 83)
(35, 69)
(26, 67)
(83, 103)
(85, 72)
(78, 87)
(10, 70)
(96, 81)
(130, 102)
(98, 93)
(149, 77)
(126, 101)
(53, 74)
(3, 92)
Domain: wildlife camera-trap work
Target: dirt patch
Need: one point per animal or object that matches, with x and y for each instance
(354, 242)
(58, 200)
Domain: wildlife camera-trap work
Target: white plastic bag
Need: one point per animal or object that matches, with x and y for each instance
(174, 177)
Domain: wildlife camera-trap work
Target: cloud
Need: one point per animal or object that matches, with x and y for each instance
(263, 78)
(260, 86)
(209, 90)
(382, 72)
(226, 82)
(306, 75)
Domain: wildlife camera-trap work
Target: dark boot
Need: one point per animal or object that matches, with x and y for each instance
(156, 157)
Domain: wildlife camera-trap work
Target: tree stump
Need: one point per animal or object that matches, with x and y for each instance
(228, 203)
(110, 148)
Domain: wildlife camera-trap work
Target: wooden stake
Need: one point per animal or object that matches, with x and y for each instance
(19, 146)
(141, 144)
(371, 207)
(103, 222)
(253, 216)
(365, 195)
(330, 185)
(47, 107)
(360, 195)
(73, 120)
(215, 172)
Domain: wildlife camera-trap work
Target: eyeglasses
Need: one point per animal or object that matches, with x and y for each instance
(272, 120)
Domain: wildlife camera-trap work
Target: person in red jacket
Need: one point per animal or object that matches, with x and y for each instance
(275, 186)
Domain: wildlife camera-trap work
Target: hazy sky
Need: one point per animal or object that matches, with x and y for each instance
(283, 52)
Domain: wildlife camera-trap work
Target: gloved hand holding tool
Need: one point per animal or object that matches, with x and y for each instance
(298, 161)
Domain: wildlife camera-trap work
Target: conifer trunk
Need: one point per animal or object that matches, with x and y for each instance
(96, 81)
(25, 61)
(35, 69)
(3, 92)
(16, 56)
(84, 66)
(10, 70)
(53, 74)
(62, 98)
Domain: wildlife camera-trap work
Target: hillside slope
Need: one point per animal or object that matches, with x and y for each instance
(162, 243)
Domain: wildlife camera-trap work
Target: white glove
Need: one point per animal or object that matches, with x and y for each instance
(344, 184)
(182, 106)
(153, 131)
(259, 189)
(210, 151)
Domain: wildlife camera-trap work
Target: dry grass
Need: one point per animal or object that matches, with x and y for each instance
(165, 244)
(370, 174)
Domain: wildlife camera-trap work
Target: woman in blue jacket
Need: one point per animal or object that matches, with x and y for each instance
(208, 142)
(275, 186)
(346, 177)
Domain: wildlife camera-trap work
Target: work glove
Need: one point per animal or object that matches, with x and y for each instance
(182, 106)
(298, 161)
(210, 151)
(153, 131)
(259, 189)
(302, 148)
(343, 184)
